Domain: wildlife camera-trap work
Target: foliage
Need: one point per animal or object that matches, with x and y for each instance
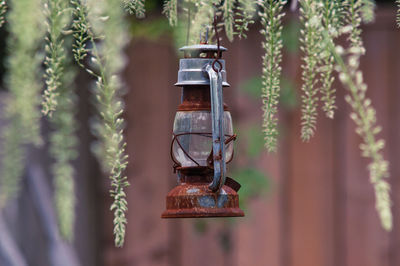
(254, 183)
(235, 17)
(368, 11)
(244, 16)
(398, 13)
(80, 31)
(288, 94)
(311, 39)
(331, 21)
(333, 18)
(171, 11)
(152, 29)
(363, 114)
(107, 61)
(290, 36)
(255, 139)
(201, 22)
(21, 108)
(135, 7)
(252, 86)
(227, 9)
(57, 16)
(63, 145)
(99, 34)
(59, 104)
(3, 9)
(271, 17)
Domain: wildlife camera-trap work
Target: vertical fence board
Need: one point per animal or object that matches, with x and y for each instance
(340, 164)
(311, 195)
(149, 172)
(255, 246)
(393, 144)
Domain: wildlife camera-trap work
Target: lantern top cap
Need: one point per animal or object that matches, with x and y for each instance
(203, 51)
(192, 66)
(202, 48)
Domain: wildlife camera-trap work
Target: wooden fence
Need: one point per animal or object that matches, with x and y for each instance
(320, 208)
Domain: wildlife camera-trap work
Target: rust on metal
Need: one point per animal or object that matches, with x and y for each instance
(193, 199)
(196, 98)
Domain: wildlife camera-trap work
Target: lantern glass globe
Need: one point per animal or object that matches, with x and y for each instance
(198, 144)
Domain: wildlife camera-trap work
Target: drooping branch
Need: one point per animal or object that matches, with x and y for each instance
(3, 10)
(271, 20)
(246, 10)
(135, 7)
(235, 17)
(311, 18)
(363, 114)
(23, 81)
(398, 13)
(107, 61)
(57, 18)
(171, 11)
(63, 148)
(332, 16)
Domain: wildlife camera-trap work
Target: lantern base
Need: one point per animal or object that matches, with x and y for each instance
(195, 200)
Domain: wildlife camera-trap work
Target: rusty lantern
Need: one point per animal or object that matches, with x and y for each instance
(202, 139)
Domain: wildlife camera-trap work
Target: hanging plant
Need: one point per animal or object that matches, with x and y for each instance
(23, 81)
(99, 32)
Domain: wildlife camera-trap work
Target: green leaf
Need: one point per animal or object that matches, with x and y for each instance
(252, 87)
(288, 94)
(254, 183)
(255, 141)
(291, 36)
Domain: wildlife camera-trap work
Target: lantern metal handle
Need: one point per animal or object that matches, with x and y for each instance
(218, 136)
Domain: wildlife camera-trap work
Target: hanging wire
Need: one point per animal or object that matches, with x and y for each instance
(188, 27)
(216, 60)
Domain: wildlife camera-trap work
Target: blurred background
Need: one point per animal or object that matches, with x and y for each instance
(311, 204)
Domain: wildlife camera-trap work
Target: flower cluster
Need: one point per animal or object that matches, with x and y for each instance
(135, 7)
(364, 116)
(398, 13)
(171, 11)
(58, 17)
(271, 19)
(246, 10)
(235, 16)
(363, 113)
(332, 16)
(3, 9)
(311, 39)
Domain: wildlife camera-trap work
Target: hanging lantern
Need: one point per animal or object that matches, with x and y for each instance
(203, 138)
